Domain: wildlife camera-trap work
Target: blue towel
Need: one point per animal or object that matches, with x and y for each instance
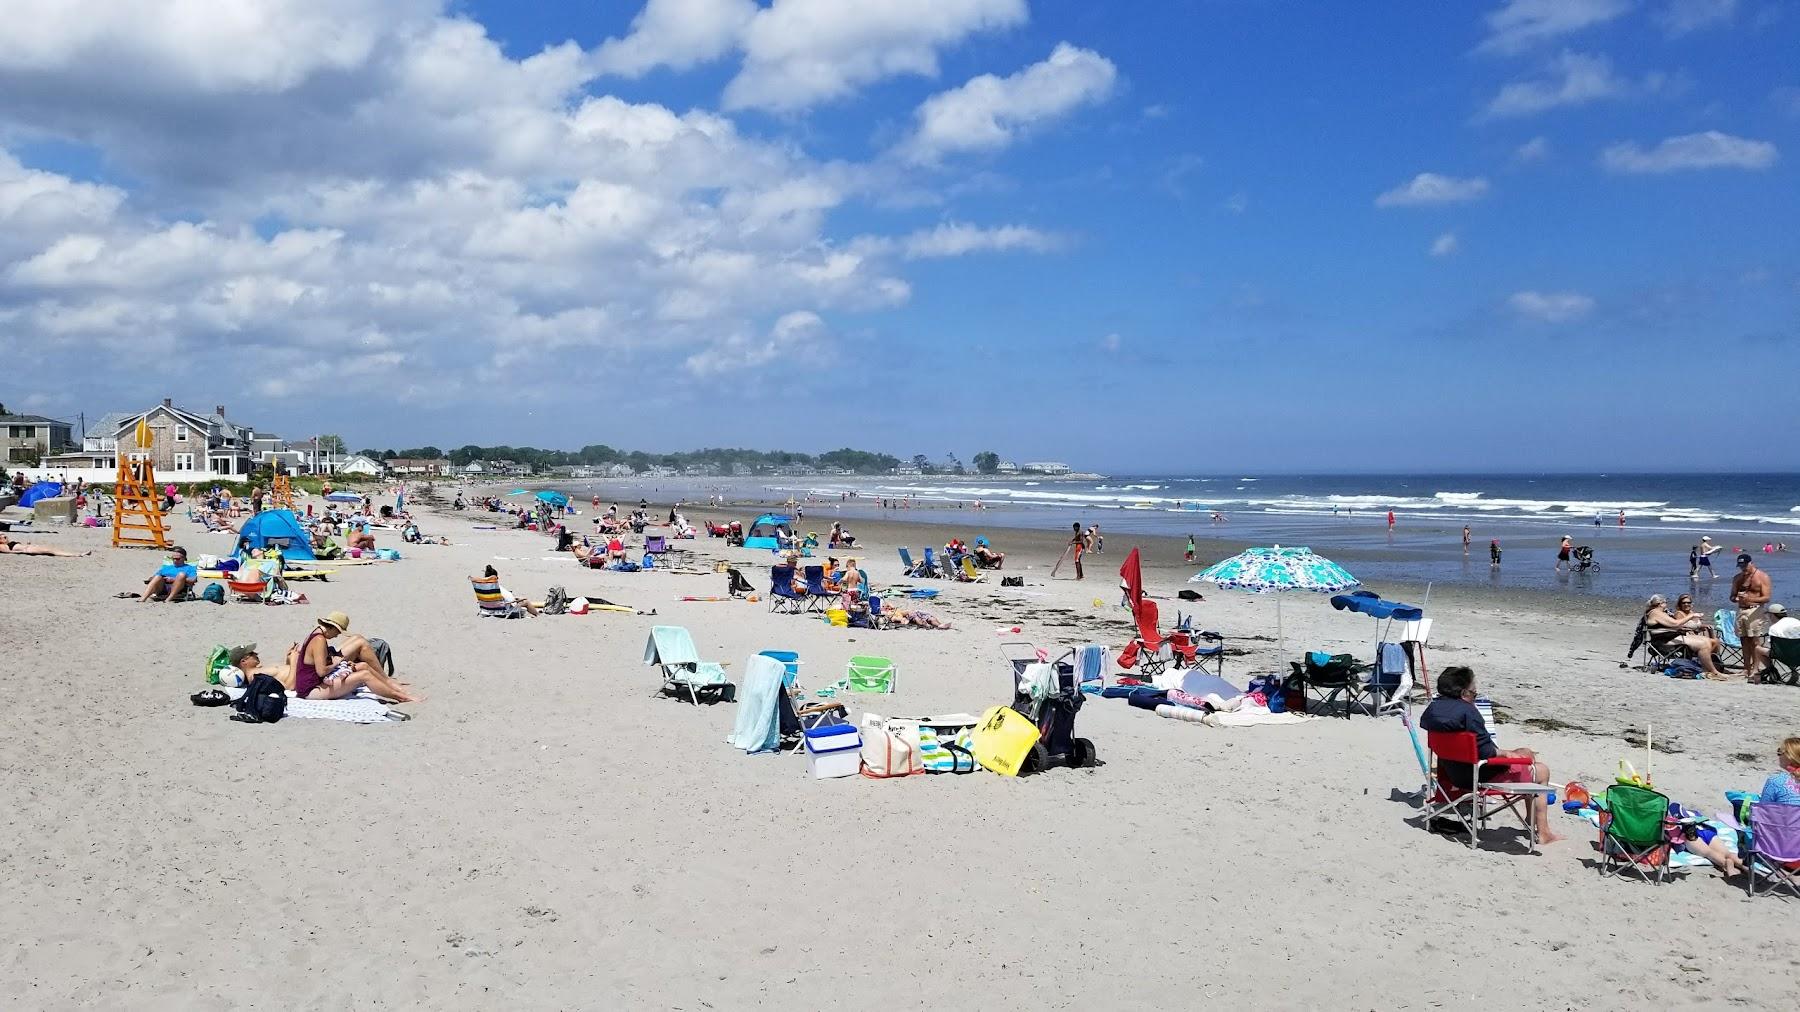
(1090, 666)
(758, 722)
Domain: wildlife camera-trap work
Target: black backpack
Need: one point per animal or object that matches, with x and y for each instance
(265, 702)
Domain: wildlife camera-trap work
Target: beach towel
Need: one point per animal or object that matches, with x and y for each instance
(364, 707)
(757, 728)
(1256, 716)
(1090, 668)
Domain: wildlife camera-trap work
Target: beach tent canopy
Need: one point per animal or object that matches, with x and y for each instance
(281, 529)
(763, 530)
(41, 490)
(344, 497)
(556, 499)
(1367, 602)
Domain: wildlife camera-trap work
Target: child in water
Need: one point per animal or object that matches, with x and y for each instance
(1494, 553)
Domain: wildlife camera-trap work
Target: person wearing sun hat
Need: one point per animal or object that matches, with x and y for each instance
(323, 670)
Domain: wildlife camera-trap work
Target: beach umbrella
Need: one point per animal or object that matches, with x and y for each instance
(556, 499)
(344, 497)
(1277, 571)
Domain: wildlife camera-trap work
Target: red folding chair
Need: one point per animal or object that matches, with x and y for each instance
(1449, 799)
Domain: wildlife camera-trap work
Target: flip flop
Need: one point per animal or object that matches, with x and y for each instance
(210, 697)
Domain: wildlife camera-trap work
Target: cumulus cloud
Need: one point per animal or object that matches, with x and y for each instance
(1110, 343)
(1569, 79)
(1518, 25)
(1536, 149)
(1551, 307)
(1431, 188)
(799, 53)
(1708, 150)
(1681, 17)
(677, 34)
(989, 112)
(379, 184)
(1445, 245)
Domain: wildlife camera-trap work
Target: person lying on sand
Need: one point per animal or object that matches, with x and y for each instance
(918, 618)
(174, 581)
(10, 547)
(323, 670)
(1454, 710)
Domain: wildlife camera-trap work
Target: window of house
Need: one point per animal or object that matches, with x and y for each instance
(181, 434)
(20, 431)
(184, 462)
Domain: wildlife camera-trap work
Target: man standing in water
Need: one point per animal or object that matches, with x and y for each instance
(1465, 541)
(1750, 591)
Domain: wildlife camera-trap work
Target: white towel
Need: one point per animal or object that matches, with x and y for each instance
(363, 707)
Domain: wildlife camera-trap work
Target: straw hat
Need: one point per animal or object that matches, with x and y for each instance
(337, 620)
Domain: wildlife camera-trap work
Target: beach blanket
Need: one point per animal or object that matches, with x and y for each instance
(1245, 717)
(362, 708)
(758, 726)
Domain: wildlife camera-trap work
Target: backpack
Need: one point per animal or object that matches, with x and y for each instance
(1012, 581)
(264, 702)
(216, 662)
(556, 601)
(214, 592)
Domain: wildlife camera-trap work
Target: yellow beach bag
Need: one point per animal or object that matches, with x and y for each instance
(838, 617)
(1003, 739)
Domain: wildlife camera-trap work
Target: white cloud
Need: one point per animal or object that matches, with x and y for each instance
(1708, 150)
(1237, 203)
(676, 33)
(1110, 342)
(1445, 245)
(1536, 149)
(1431, 188)
(1519, 25)
(799, 53)
(1551, 307)
(1570, 79)
(953, 240)
(989, 112)
(795, 334)
(1680, 17)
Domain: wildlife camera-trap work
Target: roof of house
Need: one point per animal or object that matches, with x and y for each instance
(29, 420)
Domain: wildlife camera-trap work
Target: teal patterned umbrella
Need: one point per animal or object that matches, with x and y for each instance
(1274, 571)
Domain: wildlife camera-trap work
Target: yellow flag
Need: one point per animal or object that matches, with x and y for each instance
(143, 433)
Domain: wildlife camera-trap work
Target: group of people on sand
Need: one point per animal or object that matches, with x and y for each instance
(1758, 619)
(1453, 710)
(330, 663)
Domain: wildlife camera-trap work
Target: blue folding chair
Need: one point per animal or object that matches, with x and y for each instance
(783, 600)
(790, 660)
(906, 561)
(817, 596)
(931, 566)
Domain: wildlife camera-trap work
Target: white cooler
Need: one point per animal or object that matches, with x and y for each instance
(834, 751)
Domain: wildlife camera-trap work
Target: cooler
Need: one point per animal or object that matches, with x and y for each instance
(834, 751)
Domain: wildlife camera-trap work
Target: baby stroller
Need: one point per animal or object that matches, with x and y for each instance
(1583, 559)
(1053, 713)
(734, 538)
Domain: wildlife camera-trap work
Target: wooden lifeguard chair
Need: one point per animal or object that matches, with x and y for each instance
(281, 493)
(137, 506)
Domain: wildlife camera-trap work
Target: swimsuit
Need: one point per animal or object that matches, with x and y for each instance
(305, 678)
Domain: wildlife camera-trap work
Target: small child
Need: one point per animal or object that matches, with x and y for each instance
(1190, 549)
(1494, 553)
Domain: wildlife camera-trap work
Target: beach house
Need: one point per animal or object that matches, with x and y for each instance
(29, 439)
(356, 463)
(186, 445)
(419, 467)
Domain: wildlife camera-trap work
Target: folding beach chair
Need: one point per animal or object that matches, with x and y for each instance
(1185, 641)
(1771, 848)
(1784, 661)
(1635, 833)
(783, 599)
(947, 567)
(492, 604)
(656, 544)
(1445, 798)
(1150, 650)
(970, 574)
(736, 584)
(871, 674)
(906, 562)
(1731, 649)
(1387, 686)
(817, 597)
(671, 648)
(929, 570)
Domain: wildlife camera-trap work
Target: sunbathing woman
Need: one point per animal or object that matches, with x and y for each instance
(320, 675)
(10, 547)
(921, 619)
(1668, 629)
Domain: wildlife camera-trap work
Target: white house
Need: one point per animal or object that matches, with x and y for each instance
(186, 445)
(356, 463)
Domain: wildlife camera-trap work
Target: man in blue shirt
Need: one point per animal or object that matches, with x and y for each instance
(1454, 710)
(174, 581)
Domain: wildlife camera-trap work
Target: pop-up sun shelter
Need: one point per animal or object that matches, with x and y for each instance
(41, 490)
(280, 529)
(764, 528)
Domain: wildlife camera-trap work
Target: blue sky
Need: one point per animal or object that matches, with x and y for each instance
(1218, 234)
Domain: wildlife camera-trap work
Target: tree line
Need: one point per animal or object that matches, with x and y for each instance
(714, 459)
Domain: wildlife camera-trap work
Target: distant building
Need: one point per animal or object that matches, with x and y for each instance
(420, 467)
(1007, 467)
(908, 469)
(186, 444)
(1045, 467)
(356, 463)
(474, 468)
(32, 438)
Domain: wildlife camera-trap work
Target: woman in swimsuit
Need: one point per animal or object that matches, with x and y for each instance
(10, 547)
(318, 675)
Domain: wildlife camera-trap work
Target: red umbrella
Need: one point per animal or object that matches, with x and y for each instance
(1131, 580)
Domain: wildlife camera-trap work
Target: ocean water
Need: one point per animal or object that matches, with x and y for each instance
(1346, 515)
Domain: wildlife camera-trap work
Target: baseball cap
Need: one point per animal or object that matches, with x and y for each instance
(1743, 558)
(1778, 609)
(235, 656)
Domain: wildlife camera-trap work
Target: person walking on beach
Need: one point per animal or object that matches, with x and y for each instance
(1750, 591)
(1704, 560)
(1465, 541)
(1562, 552)
(1621, 519)
(1390, 520)
(1079, 544)
(1189, 557)
(1494, 554)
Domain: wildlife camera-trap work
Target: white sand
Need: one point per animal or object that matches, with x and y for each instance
(547, 832)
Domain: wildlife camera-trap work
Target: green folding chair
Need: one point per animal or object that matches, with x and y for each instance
(871, 674)
(1636, 836)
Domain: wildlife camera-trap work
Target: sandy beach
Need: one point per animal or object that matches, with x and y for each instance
(549, 832)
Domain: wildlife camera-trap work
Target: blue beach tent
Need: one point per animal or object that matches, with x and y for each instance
(281, 529)
(763, 530)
